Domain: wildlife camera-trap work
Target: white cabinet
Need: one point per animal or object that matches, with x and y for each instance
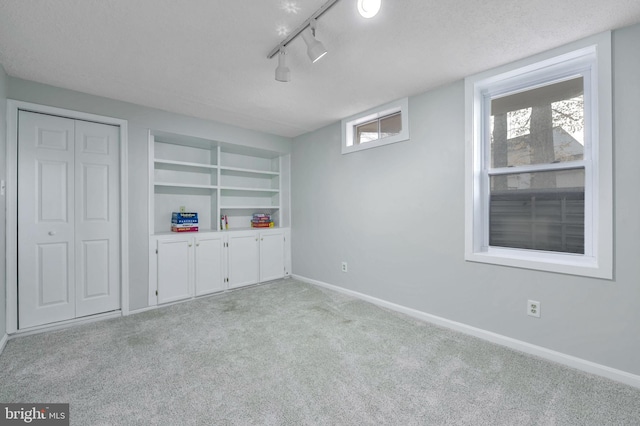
(244, 258)
(187, 265)
(209, 264)
(215, 179)
(272, 265)
(174, 269)
(256, 256)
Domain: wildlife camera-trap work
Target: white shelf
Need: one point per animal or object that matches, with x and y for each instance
(185, 185)
(214, 178)
(256, 207)
(195, 233)
(247, 189)
(185, 164)
(248, 171)
(249, 228)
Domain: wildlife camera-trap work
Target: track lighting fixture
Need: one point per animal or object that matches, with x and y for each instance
(282, 72)
(315, 49)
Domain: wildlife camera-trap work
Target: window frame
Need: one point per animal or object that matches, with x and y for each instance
(349, 124)
(590, 58)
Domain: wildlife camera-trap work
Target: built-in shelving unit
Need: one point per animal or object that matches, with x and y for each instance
(214, 179)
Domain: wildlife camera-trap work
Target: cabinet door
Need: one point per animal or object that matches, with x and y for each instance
(243, 258)
(271, 255)
(208, 265)
(174, 269)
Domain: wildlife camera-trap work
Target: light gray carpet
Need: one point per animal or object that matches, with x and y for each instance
(287, 353)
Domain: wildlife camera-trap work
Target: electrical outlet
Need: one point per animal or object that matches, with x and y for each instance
(533, 308)
(344, 266)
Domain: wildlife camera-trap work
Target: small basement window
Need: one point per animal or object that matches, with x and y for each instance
(379, 126)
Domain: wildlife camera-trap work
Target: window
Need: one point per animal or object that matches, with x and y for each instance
(380, 126)
(539, 162)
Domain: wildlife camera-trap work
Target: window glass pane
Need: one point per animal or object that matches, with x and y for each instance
(390, 125)
(539, 126)
(367, 132)
(539, 211)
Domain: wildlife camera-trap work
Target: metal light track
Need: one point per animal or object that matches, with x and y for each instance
(318, 13)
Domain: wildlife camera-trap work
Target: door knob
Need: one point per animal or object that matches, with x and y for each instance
(52, 233)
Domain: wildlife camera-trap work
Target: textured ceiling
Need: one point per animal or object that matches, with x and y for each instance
(207, 58)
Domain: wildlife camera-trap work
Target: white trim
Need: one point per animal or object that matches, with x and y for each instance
(348, 124)
(124, 216)
(519, 345)
(147, 309)
(13, 107)
(65, 324)
(590, 57)
(3, 342)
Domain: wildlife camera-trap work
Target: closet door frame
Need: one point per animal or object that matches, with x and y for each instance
(13, 107)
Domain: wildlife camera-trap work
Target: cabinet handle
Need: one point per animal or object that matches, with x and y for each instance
(190, 245)
(261, 239)
(197, 244)
(52, 233)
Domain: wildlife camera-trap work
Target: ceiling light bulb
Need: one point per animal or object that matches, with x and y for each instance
(369, 8)
(315, 49)
(282, 72)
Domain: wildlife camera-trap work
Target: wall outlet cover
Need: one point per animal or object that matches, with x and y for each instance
(533, 308)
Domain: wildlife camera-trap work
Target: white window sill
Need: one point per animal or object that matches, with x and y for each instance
(571, 264)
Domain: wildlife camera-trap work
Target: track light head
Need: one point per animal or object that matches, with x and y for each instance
(282, 72)
(315, 49)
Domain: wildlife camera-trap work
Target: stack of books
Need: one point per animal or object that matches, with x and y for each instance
(184, 222)
(262, 220)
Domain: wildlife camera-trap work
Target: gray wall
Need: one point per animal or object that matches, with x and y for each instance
(396, 215)
(3, 174)
(140, 119)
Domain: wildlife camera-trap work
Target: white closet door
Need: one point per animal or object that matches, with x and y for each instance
(46, 270)
(68, 219)
(97, 241)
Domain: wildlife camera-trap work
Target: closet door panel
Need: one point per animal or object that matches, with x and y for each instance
(97, 228)
(46, 290)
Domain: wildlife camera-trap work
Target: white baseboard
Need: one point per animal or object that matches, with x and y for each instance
(559, 357)
(147, 309)
(3, 342)
(217, 293)
(66, 324)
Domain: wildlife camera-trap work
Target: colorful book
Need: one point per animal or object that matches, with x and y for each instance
(262, 225)
(182, 218)
(182, 228)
